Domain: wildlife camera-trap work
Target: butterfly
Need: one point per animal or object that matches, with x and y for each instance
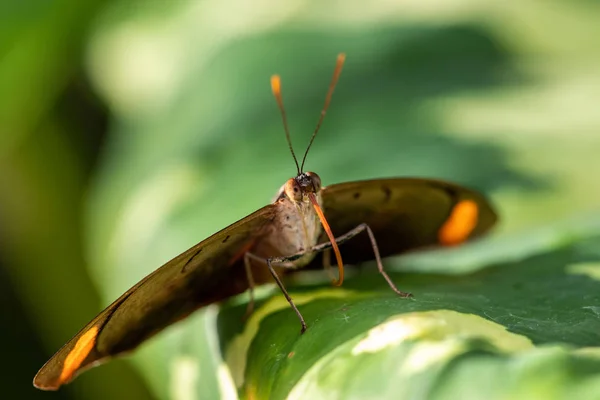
(379, 217)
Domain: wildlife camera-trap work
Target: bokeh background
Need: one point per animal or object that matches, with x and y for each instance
(131, 130)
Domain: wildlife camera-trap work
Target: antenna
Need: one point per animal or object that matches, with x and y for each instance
(276, 88)
(336, 74)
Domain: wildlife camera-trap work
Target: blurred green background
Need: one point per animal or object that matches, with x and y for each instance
(131, 130)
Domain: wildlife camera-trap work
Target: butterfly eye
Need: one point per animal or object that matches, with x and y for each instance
(292, 190)
(316, 180)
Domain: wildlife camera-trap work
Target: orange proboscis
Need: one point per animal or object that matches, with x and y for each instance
(336, 250)
(78, 354)
(460, 224)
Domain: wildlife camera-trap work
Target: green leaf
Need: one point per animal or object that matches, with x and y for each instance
(535, 321)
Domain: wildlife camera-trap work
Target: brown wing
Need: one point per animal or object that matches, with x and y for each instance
(404, 214)
(208, 272)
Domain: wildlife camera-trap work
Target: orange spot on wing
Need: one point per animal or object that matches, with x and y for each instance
(460, 224)
(78, 354)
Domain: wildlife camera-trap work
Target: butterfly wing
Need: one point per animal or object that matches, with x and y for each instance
(210, 271)
(405, 214)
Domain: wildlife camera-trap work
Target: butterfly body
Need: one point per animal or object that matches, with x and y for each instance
(296, 226)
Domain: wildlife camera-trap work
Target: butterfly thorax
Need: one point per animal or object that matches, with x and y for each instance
(296, 227)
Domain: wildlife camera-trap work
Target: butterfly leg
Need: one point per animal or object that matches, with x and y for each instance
(248, 268)
(285, 262)
(349, 235)
(283, 289)
(380, 263)
(251, 285)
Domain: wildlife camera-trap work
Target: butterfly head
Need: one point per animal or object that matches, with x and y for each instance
(297, 189)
